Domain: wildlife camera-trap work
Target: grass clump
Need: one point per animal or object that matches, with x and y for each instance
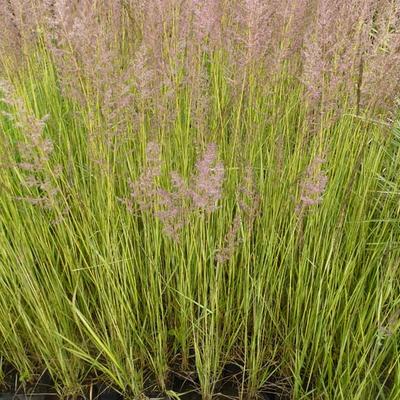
(190, 187)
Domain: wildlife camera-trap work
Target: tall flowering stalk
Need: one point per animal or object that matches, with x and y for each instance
(173, 208)
(207, 22)
(381, 55)
(320, 53)
(231, 241)
(312, 186)
(199, 32)
(332, 38)
(34, 153)
(202, 193)
(84, 44)
(174, 212)
(350, 54)
(144, 191)
(296, 18)
(159, 38)
(249, 202)
(10, 36)
(254, 21)
(19, 23)
(206, 187)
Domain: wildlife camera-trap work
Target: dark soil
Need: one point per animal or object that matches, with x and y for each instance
(43, 389)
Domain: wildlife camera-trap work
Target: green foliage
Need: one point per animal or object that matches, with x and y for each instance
(308, 303)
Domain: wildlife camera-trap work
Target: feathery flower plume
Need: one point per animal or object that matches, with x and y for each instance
(250, 199)
(207, 16)
(10, 36)
(296, 17)
(85, 48)
(158, 60)
(19, 23)
(144, 191)
(249, 202)
(206, 188)
(34, 152)
(174, 205)
(254, 28)
(173, 208)
(144, 75)
(312, 186)
(319, 52)
(158, 35)
(231, 241)
(198, 81)
(381, 80)
(337, 46)
(84, 38)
